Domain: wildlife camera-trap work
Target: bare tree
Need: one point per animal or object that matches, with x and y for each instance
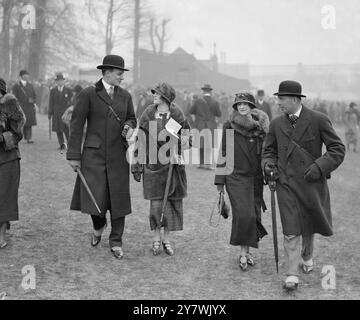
(158, 35)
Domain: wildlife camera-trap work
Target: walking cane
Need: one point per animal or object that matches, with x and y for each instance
(82, 178)
(166, 194)
(50, 129)
(272, 185)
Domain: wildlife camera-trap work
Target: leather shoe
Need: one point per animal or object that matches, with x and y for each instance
(291, 283)
(117, 253)
(307, 266)
(95, 240)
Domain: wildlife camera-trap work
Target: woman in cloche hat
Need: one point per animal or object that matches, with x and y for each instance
(12, 121)
(244, 183)
(155, 173)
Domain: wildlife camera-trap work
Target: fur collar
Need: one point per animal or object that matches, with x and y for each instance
(257, 125)
(10, 109)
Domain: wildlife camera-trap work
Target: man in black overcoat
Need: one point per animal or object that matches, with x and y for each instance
(25, 94)
(59, 101)
(293, 151)
(109, 113)
(206, 110)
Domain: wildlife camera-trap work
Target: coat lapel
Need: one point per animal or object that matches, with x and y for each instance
(300, 129)
(101, 92)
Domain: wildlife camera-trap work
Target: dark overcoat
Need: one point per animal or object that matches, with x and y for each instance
(103, 156)
(206, 110)
(58, 103)
(304, 206)
(27, 98)
(244, 183)
(12, 120)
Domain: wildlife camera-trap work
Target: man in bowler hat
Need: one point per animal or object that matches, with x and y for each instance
(262, 104)
(59, 101)
(25, 94)
(109, 113)
(206, 111)
(293, 152)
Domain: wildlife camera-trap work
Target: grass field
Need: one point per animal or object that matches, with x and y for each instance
(56, 242)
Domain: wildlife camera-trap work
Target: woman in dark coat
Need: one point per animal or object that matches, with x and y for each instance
(12, 120)
(152, 134)
(244, 183)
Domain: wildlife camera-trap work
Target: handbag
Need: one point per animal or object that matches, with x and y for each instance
(220, 209)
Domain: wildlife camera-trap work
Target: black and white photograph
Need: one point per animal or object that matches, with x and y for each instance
(183, 155)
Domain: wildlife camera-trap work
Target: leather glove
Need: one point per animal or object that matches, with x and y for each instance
(127, 132)
(75, 164)
(220, 188)
(313, 173)
(137, 176)
(269, 167)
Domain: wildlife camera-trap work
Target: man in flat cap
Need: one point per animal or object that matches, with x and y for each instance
(109, 113)
(59, 101)
(25, 94)
(293, 153)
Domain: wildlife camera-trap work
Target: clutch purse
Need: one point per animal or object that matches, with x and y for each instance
(220, 209)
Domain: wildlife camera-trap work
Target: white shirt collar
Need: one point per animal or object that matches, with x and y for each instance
(298, 112)
(23, 82)
(106, 85)
(207, 94)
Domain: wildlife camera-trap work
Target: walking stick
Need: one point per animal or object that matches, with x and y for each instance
(272, 185)
(166, 194)
(49, 129)
(78, 170)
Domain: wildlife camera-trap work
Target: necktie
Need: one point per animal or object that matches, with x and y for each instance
(111, 92)
(293, 119)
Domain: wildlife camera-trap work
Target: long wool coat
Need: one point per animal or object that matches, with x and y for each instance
(103, 156)
(155, 174)
(12, 120)
(26, 97)
(244, 179)
(58, 103)
(304, 206)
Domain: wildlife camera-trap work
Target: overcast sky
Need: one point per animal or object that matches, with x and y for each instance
(264, 31)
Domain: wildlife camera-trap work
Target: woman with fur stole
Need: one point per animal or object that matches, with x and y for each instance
(244, 182)
(12, 120)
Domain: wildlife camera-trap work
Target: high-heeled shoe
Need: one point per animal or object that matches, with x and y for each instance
(250, 259)
(168, 249)
(243, 264)
(156, 248)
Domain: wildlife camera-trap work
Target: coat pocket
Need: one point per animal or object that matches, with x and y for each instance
(92, 142)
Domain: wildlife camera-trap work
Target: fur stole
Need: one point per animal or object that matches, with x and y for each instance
(256, 125)
(10, 110)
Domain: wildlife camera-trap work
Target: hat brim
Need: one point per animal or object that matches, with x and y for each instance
(110, 66)
(253, 105)
(153, 91)
(291, 94)
(207, 89)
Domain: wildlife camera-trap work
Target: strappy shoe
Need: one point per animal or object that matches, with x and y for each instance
(168, 249)
(156, 248)
(243, 264)
(250, 259)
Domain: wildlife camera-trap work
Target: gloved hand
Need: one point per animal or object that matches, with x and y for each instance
(137, 176)
(313, 173)
(269, 167)
(75, 164)
(220, 188)
(127, 132)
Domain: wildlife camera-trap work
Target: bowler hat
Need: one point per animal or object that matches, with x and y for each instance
(59, 76)
(2, 86)
(166, 91)
(244, 97)
(207, 87)
(113, 61)
(290, 88)
(261, 92)
(23, 72)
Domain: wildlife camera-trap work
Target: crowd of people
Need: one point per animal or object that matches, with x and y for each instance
(275, 139)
